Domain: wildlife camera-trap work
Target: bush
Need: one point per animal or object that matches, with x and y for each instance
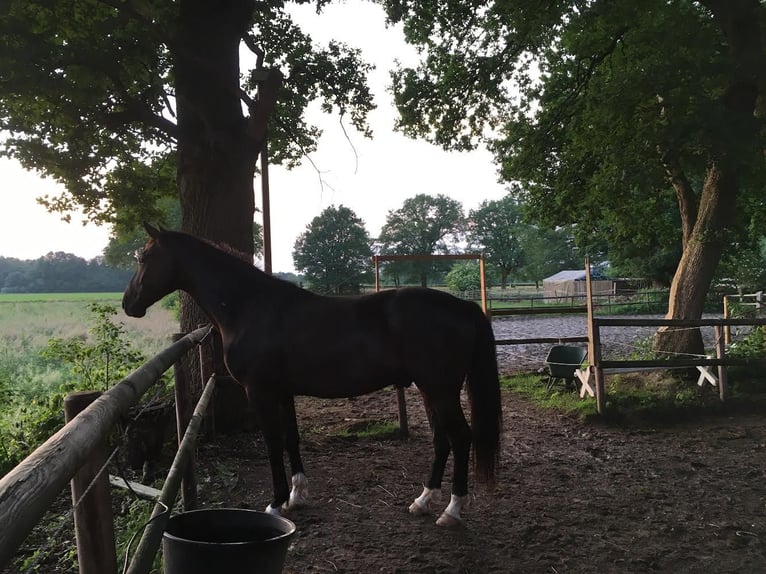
(28, 422)
(464, 277)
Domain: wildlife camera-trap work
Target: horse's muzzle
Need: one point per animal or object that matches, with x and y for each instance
(133, 310)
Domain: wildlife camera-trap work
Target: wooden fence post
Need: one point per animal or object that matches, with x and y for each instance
(152, 537)
(93, 520)
(184, 410)
(594, 344)
(720, 353)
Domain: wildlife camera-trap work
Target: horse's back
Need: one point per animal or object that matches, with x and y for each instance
(436, 333)
(332, 347)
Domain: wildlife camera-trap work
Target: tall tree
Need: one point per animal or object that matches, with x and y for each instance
(334, 252)
(618, 102)
(424, 225)
(124, 97)
(496, 228)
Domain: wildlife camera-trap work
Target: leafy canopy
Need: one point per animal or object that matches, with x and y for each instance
(589, 106)
(496, 227)
(424, 225)
(334, 252)
(88, 94)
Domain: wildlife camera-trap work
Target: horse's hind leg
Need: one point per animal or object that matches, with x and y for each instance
(432, 489)
(300, 485)
(447, 414)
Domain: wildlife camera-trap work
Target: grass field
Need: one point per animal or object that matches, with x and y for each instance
(37, 317)
(53, 297)
(29, 320)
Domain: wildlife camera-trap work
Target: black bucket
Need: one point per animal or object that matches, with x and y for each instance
(230, 540)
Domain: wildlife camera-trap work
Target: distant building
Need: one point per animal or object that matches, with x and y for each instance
(571, 283)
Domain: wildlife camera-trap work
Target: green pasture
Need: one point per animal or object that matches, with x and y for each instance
(28, 321)
(53, 297)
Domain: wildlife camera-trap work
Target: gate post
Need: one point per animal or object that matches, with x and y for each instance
(93, 520)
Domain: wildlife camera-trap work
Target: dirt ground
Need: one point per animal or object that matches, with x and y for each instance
(571, 496)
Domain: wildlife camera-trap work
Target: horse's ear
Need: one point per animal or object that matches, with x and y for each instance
(153, 232)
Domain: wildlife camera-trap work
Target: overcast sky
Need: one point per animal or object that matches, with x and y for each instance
(371, 178)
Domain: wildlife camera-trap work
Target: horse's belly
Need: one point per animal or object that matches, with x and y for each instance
(341, 383)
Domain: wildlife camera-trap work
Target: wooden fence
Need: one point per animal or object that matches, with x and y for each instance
(28, 490)
(592, 376)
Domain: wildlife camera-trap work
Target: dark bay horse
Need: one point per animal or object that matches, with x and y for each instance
(281, 341)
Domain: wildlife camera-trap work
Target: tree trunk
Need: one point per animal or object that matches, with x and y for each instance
(217, 146)
(740, 23)
(699, 260)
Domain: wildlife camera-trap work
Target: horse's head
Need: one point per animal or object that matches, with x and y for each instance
(154, 278)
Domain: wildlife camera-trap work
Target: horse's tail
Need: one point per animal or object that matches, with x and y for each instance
(486, 406)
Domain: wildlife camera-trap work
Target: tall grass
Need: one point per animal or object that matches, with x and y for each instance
(49, 348)
(28, 323)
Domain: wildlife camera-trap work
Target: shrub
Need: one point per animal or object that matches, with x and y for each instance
(96, 365)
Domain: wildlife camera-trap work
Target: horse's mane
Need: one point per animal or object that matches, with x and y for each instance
(222, 254)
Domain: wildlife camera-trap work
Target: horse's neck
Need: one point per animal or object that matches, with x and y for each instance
(216, 292)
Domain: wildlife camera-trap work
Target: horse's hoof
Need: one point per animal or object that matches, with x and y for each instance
(423, 503)
(449, 521)
(419, 509)
(300, 492)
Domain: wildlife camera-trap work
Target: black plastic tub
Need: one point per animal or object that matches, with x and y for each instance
(230, 540)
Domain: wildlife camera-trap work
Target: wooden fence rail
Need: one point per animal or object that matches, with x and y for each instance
(152, 537)
(597, 366)
(30, 488)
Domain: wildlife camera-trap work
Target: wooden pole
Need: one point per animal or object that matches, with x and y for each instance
(483, 283)
(376, 263)
(184, 410)
(720, 353)
(152, 537)
(727, 329)
(266, 208)
(93, 520)
(594, 343)
(28, 490)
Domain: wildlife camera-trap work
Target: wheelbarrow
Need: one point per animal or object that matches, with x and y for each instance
(561, 363)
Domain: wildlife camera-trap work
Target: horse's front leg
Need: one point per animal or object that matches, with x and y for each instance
(300, 487)
(267, 408)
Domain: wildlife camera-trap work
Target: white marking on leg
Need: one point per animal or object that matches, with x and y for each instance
(422, 504)
(451, 515)
(273, 510)
(300, 492)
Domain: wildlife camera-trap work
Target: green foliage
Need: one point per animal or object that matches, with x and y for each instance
(60, 273)
(752, 345)
(96, 366)
(172, 303)
(744, 263)
(130, 520)
(604, 113)
(424, 225)
(643, 396)
(129, 235)
(375, 430)
(643, 301)
(28, 420)
(531, 387)
(496, 228)
(547, 251)
(334, 252)
(97, 111)
(465, 276)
